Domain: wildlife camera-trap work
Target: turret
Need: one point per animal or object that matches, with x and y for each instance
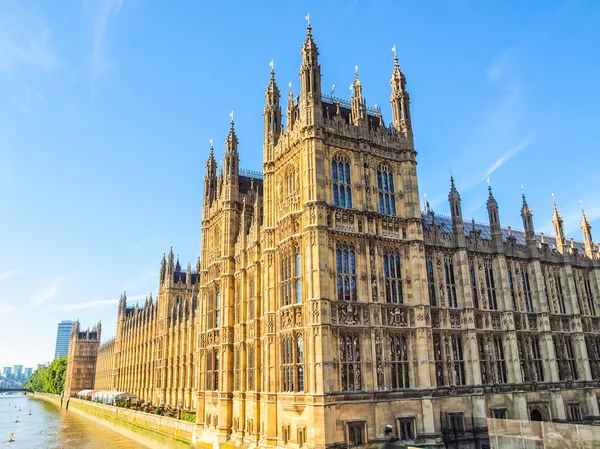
(586, 229)
(122, 305)
(232, 157)
(494, 218)
(188, 275)
(178, 266)
(171, 263)
(272, 113)
(527, 217)
(210, 178)
(400, 99)
(163, 268)
(559, 231)
(291, 110)
(310, 80)
(358, 107)
(458, 226)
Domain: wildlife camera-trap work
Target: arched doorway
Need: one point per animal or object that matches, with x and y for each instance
(536, 415)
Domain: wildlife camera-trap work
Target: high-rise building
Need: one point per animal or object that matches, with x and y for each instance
(6, 371)
(27, 372)
(328, 310)
(63, 336)
(17, 371)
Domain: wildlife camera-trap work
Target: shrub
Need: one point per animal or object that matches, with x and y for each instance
(188, 416)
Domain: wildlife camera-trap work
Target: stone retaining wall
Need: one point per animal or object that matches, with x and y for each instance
(154, 431)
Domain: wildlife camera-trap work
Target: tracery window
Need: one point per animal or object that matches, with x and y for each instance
(565, 357)
(400, 363)
(350, 361)
(559, 293)
(251, 368)
(523, 359)
(431, 280)
(593, 349)
(438, 359)
(385, 185)
(450, 282)
(513, 294)
(291, 284)
(474, 285)
(449, 348)
(499, 360)
(536, 359)
(526, 290)
(292, 368)
(212, 369)
(213, 315)
(483, 361)
(392, 271)
(588, 293)
(345, 262)
(458, 360)
(340, 179)
(251, 298)
(490, 286)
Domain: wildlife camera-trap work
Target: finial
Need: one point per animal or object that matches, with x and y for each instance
(356, 69)
(290, 86)
(394, 50)
(523, 194)
(451, 180)
(272, 65)
(332, 90)
(307, 18)
(212, 148)
(231, 115)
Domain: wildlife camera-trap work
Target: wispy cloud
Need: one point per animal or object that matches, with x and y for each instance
(506, 156)
(96, 304)
(100, 13)
(49, 290)
(25, 39)
(8, 274)
(7, 309)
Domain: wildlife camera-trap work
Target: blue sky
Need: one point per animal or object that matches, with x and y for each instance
(107, 108)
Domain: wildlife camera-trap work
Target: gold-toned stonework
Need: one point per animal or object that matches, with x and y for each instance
(328, 310)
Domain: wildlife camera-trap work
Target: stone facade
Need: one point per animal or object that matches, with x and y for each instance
(105, 372)
(327, 310)
(82, 358)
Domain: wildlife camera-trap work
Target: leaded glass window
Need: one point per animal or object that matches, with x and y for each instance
(350, 362)
(392, 271)
(340, 179)
(345, 261)
(385, 185)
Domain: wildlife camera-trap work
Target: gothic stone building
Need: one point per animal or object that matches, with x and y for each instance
(81, 360)
(327, 310)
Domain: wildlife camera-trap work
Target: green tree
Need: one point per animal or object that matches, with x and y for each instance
(50, 379)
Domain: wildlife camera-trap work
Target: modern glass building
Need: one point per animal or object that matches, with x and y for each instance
(62, 338)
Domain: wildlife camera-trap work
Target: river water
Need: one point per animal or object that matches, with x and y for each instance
(49, 427)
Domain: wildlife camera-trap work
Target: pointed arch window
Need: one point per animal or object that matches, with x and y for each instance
(400, 363)
(346, 272)
(431, 280)
(292, 366)
(559, 293)
(392, 271)
(340, 180)
(213, 316)
(490, 286)
(527, 297)
(474, 285)
(450, 282)
(385, 186)
(350, 362)
(513, 294)
(291, 280)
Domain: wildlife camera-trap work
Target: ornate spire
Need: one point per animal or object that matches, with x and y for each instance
(559, 231)
(359, 112)
(455, 202)
(586, 229)
(310, 71)
(527, 216)
(399, 99)
(231, 143)
(272, 112)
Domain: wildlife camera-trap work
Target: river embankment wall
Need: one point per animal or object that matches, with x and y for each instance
(148, 429)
